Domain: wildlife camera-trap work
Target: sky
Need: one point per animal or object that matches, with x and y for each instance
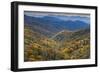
(62, 16)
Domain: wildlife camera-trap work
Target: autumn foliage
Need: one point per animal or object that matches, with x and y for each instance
(38, 47)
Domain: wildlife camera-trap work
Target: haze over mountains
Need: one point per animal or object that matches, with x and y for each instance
(52, 24)
(56, 37)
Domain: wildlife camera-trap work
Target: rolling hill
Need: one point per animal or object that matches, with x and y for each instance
(68, 35)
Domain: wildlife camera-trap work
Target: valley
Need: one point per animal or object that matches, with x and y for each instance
(45, 42)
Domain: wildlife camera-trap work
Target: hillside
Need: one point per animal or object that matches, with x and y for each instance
(70, 35)
(37, 46)
(41, 48)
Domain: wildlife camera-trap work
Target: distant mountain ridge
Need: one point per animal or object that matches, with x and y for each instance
(50, 25)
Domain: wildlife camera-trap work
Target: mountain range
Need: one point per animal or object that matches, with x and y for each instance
(51, 38)
(51, 25)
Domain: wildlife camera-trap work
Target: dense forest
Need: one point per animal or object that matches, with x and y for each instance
(65, 45)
